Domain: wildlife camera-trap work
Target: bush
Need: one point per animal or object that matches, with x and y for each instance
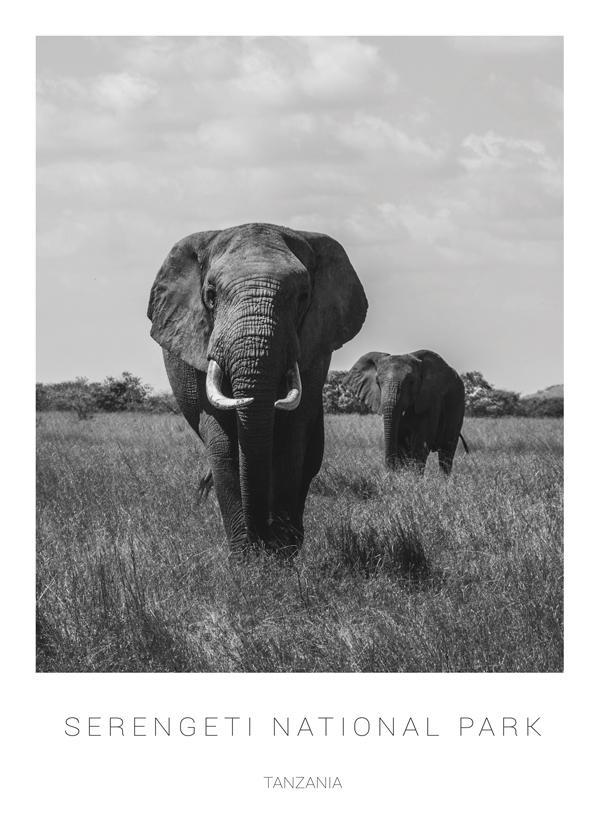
(480, 402)
(483, 400)
(80, 398)
(126, 393)
(542, 407)
(163, 403)
(74, 396)
(41, 397)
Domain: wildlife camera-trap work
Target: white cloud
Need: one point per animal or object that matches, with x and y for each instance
(119, 91)
(369, 134)
(424, 227)
(492, 152)
(491, 149)
(264, 76)
(344, 67)
(122, 91)
(289, 72)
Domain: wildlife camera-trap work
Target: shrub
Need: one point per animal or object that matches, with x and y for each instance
(163, 403)
(127, 393)
(542, 407)
(483, 400)
(74, 396)
(41, 397)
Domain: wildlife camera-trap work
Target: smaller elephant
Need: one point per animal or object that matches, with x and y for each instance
(422, 400)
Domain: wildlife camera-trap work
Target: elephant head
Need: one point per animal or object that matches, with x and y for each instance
(256, 308)
(409, 391)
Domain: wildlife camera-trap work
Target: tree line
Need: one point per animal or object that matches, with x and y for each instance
(129, 393)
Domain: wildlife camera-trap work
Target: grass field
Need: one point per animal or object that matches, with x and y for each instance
(397, 573)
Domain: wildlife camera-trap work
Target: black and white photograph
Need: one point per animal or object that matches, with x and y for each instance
(298, 538)
(299, 400)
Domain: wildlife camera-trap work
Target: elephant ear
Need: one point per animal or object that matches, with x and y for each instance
(338, 303)
(181, 323)
(434, 380)
(362, 379)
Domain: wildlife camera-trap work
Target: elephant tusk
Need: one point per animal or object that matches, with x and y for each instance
(294, 394)
(214, 379)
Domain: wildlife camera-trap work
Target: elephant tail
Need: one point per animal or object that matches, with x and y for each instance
(464, 442)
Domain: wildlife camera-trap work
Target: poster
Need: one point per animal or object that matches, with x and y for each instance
(392, 653)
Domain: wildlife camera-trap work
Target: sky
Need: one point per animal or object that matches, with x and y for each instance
(436, 162)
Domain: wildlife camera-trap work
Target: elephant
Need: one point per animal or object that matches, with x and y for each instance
(248, 318)
(422, 400)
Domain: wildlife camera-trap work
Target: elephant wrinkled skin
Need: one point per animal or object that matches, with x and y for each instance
(248, 318)
(422, 400)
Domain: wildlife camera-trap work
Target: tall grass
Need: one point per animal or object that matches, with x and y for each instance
(397, 573)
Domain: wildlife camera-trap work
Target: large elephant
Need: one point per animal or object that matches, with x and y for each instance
(422, 400)
(248, 318)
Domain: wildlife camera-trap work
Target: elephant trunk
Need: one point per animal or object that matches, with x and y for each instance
(390, 437)
(255, 358)
(391, 420)
(255, 435)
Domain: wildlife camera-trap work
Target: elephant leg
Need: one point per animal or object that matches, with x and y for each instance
(425, 436)
(220, 434)
(448, 435)
(288, 502)
(407, 451)
(393, 460)
(403, 456)
(446, 457)
(419, 452)
(313, 457)
(420, 459)
(297, 458)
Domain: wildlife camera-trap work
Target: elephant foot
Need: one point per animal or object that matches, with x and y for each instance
(285, 548)
(283, 542)
(286, 537)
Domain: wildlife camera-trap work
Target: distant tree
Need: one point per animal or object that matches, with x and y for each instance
(41, 397)
(163, 403)
(474, 379)
(127, 393)
(124, 393)
(75, 396)
(483, 400)
(542, 407)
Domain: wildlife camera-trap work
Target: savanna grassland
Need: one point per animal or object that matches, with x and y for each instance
(397, 573)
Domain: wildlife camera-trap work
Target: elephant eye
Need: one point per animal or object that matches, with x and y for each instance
(209, 297)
